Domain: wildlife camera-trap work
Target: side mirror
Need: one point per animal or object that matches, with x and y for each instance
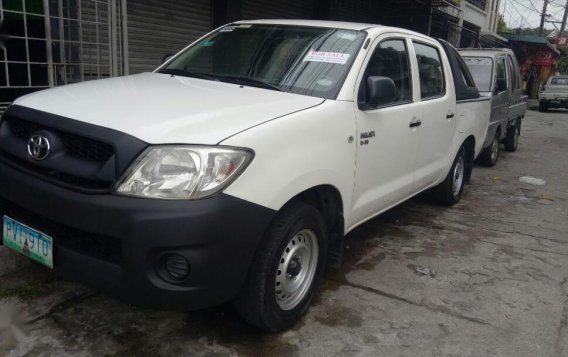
(379, 91)
(501, 85)
(166, 58)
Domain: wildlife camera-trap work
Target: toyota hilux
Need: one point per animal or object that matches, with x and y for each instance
(234, 170)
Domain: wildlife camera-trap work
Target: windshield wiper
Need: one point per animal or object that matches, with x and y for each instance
(184, 73)
(252, 82)
(230, 79)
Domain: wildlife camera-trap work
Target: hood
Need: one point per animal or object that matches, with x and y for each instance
(164, 109)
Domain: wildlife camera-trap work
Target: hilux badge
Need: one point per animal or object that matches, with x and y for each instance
(38, 147)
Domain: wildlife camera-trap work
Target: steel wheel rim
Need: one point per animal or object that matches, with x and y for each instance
(296, 269)
(458, 176)
(494, 149)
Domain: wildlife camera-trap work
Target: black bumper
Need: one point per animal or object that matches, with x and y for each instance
(114, 244)
(556, 103)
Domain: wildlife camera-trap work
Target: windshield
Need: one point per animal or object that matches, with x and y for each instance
(559, 81)
(302, 60)
(481, 69)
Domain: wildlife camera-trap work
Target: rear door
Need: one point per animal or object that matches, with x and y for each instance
(437, 111)
(517, 105)
(501, 98)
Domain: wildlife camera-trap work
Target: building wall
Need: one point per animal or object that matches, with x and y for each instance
(269, 9)
(157, 28)
(75, 40)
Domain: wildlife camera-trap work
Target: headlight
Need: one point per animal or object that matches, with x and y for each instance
(183, 172)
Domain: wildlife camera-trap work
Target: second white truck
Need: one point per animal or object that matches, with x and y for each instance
(233, 172)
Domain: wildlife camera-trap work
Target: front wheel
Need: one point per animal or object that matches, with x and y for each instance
(287, 269)
(449, 192)
(542, 107)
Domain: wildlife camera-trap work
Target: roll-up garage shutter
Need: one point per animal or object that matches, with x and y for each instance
(354, 10)
(157, 28)
(270, 9)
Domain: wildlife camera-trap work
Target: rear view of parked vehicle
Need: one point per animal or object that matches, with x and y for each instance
(496, 75)
(554, 95)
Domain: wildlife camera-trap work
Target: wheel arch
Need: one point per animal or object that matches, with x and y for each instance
(328, 201)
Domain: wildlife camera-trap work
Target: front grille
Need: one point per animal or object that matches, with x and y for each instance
(54, 175)
(93, 245)
(83, 157)
(74, 145)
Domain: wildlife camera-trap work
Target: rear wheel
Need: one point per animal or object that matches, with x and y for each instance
(512, 138)
(287, 269)
(490, 154)
(449, 192)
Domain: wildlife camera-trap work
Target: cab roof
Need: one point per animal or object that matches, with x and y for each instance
(484, 52)
(314, 23)
(344, 25)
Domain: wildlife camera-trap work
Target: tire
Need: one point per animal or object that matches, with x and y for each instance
(542, 107)
(295, 244)
(512, 138)
(490, 154)
(449, 192)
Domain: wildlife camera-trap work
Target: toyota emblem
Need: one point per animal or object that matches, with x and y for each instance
(38, 147)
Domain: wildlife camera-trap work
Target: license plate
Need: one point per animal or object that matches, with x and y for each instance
(556, 101)
(28, 241)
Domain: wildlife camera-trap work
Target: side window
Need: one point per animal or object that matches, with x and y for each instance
(390, 59)
(501, 71)
(512, 73)
(430, 70)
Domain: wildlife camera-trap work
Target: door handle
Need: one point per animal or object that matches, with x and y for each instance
(450, 115)
(414, 124)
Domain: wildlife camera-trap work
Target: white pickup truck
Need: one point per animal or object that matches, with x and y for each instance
(233, 172)
(554, 94)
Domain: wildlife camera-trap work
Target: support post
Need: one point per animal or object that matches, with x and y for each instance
(124, 27)
(542, 17)
(563, 26)
(113, 39)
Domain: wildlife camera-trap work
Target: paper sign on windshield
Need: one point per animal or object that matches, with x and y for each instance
(327, 57)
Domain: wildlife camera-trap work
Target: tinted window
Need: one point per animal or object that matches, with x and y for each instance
(559, 81)
(390, 59)
(430, 71)
(297, 59)
(501, 71)
(481, 69)
(512, 73)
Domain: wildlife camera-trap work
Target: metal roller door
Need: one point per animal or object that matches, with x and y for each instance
(270, 9)
(157, 28)
(354, 10)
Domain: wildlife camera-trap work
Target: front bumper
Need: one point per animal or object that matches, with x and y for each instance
(114, 244)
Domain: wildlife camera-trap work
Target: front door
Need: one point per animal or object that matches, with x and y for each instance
(387, 136)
